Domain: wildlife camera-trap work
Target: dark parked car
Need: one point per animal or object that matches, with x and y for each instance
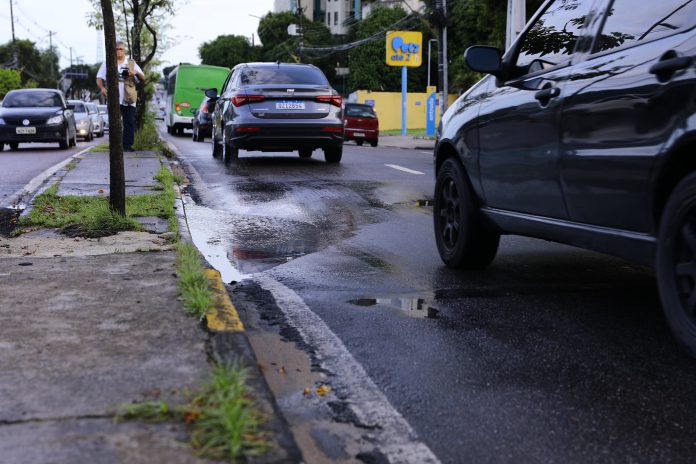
(36, 115)
(202, 121)
(277, 107)
(361, 124)
(583, 133)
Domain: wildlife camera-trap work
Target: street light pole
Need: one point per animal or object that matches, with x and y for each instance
(429, 42)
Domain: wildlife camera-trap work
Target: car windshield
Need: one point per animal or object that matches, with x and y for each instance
(102, 109)
(32, 99)
(79, 107)
(91, 109)
(359, 111)
(283, 75)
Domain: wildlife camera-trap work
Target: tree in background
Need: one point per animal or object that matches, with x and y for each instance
(228, 51)
(81, 86)
(38, 68)
(368, 68)
(10, 79)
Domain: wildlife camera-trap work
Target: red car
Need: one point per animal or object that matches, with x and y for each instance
(361, 124)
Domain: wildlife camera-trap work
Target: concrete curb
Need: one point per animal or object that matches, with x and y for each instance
(229, 344)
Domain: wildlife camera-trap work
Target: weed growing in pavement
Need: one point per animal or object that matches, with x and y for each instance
(147, 137)
(193, 283)
(224, 420)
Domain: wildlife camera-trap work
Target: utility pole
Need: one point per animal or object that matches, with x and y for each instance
(300, 11)
(441, 7)
(15, 59)
(50, 47)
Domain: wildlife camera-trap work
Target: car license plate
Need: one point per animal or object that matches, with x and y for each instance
(25, 130)
(358, 134)
(290, 105)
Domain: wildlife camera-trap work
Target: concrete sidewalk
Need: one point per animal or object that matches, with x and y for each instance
(90, 325)
(407, 141)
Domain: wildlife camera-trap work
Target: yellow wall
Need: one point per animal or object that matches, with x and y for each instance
(388, 108)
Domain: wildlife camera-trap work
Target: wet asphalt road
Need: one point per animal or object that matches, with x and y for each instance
(553, 354)
(18, 167)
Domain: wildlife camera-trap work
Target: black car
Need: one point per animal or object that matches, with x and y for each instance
(36, 115)
(277, 107)
(583, 133)
(202, 121)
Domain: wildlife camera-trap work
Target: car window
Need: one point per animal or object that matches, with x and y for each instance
(79, 107)
(552, 39)
(102, 109)
(32, 99)
(282, 75)
(627, 22)
(91, 109)
(359, 111)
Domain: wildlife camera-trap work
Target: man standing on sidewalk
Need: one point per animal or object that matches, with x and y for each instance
(129, 73)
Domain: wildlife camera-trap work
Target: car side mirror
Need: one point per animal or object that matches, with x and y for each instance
(484, 59)
(211, 106)
(211, 93)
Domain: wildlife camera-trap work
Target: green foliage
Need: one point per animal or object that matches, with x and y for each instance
(193, 283)
(10, 79)
(41, 66)
(147, 137)
(228, 51)
(369, 70)
(82, 85)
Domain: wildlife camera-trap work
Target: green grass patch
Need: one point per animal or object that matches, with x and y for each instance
(101, 148)
(224, 420)
(193, 283)
(147, 137)
(92, 216)
(398, 132)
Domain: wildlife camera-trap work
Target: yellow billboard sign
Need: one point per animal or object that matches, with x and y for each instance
(404, 48)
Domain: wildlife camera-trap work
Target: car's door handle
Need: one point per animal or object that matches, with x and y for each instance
(547, 93)
(671, 65)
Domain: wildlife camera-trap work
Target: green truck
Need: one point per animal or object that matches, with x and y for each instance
(185, 86)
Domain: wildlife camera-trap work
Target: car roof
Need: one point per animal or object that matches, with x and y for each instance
(36, 90)
(267, 64)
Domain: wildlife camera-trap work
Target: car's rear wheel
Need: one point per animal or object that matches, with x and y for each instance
(359, 142)
(217, 148)
(333, 154)
(305, 153)
(73, 139)
(676, 262)
(231, 153)
(374, 142)
(462, 238)
(65, 143)
(14, 145)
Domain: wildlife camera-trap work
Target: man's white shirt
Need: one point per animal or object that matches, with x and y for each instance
(101, 74)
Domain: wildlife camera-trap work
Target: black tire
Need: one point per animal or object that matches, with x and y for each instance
(333, 155)
(462, 238)
(73, 140)
(676, 262)
(231, 153)
(359, 142)
(217, 148)
(305, 153)
(65, 143)
(169, 130)
(13, 145)
(374, 142)
(195, 138)
(200, 138)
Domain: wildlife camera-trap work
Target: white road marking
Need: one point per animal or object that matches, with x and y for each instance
(392, 434)
(401, 168)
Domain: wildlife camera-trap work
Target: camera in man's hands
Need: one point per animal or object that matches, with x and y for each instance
(125, 74)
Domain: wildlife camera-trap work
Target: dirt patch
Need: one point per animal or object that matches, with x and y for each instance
(49, 243)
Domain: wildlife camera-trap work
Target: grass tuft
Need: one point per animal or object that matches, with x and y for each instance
(194, 285)
(224, 420)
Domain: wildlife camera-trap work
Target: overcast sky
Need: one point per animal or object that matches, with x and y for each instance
(195, 22)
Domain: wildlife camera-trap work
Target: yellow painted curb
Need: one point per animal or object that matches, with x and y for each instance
(222, 317)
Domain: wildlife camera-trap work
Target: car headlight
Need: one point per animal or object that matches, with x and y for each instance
(57, 119)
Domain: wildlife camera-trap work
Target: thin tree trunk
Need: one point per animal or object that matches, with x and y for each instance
(117, 183)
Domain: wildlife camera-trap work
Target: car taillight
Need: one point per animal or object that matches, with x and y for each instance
(239, 100)
(335, 100)
(332, 129)
(248, 129)
(204, 108)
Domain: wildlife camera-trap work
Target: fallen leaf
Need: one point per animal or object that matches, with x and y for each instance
(323, 389)
(282, 370)
(307, 391)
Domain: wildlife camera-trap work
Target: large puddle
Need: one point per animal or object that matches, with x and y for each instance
(413, 307)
